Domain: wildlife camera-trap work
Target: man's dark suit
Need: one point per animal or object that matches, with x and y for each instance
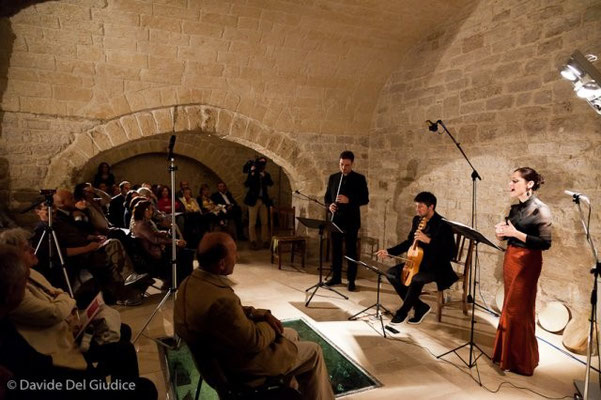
(117, 211)
(347, 217)
(233, 210)
(435, 265)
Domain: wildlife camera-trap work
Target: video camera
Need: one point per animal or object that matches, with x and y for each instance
(258, 164)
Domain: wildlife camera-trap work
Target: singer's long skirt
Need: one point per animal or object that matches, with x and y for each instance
(516, 348)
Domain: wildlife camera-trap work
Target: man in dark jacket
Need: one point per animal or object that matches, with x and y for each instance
(258, 201)
(117, 206)
(437, 242)
(223, 196)
(346, 193)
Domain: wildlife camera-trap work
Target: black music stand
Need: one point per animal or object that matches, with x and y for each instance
(377, 303)
(322, 226)
(477, 238)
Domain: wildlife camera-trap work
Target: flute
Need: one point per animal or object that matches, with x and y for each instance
(337, 193)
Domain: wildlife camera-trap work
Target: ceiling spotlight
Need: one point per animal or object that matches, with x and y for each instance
(585, 78)
(589, 91)
(571, 73)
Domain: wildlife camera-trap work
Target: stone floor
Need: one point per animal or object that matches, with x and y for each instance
(405, 363)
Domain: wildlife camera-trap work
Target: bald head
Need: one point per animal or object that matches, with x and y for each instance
(64, 199)
(217, 253)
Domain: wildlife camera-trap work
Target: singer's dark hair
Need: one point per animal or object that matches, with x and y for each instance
(347, 155)
(530, 174)
(427, 198)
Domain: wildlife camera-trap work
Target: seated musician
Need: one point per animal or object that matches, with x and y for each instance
(437, 242)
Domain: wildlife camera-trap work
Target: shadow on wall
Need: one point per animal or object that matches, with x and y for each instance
(8, 8)
(7, 38)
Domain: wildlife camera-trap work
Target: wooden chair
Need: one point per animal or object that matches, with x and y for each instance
(462, 256)
(283, 235)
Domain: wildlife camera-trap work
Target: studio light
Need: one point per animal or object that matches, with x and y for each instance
(585, 77)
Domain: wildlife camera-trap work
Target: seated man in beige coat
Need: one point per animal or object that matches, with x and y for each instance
(249, 344)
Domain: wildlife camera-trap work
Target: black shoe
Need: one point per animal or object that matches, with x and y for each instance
(134, 299)
(420, 314)
(333, 281)
(352, 287)
(135, 277)
(399, 318)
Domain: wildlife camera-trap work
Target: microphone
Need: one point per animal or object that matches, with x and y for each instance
(577, 196)
(432, 126)
(171, 146)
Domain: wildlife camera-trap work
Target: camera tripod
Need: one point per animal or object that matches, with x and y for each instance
(50, 235)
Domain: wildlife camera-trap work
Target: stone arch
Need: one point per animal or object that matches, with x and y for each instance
(208, 122)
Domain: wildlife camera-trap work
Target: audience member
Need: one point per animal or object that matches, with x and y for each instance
(97, 201)
(117, 207)
(164, 203)
(128, 207)
(217, 212)
(19, 360)
(248, 344)
(157, 244)
(104, 175)
(223, 197)
(47, 320)
(182, 186)
(106, 258)
(196, 223)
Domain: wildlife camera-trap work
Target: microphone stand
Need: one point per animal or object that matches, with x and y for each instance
(305, 197)
(472, 286)
(596, 392)
(173, 288)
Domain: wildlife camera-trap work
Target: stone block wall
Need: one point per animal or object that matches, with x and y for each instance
(93, 80)
(492, 77)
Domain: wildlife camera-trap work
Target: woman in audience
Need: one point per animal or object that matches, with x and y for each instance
(47, 318)
(196, 223)
(155, 242)
(19, 356)
(208, 206)
(164, 203)
(104, 175)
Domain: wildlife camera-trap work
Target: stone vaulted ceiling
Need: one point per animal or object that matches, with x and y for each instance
(304, 66)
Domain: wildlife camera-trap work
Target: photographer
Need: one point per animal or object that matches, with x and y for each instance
(257, 199)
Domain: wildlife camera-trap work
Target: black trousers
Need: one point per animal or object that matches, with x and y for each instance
(409, 294)
(118, 359)
(349, 238)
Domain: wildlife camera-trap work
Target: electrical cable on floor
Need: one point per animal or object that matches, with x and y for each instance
(378, 331)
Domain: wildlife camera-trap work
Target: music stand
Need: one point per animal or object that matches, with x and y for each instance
(322, 226)
(477, 238)
(377, 303)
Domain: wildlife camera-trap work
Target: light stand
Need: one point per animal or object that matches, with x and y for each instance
(587, 392)
(52, 239)
(173, 288)
(377, 304)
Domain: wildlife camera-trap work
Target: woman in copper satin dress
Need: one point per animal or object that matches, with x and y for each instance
(528, 232)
